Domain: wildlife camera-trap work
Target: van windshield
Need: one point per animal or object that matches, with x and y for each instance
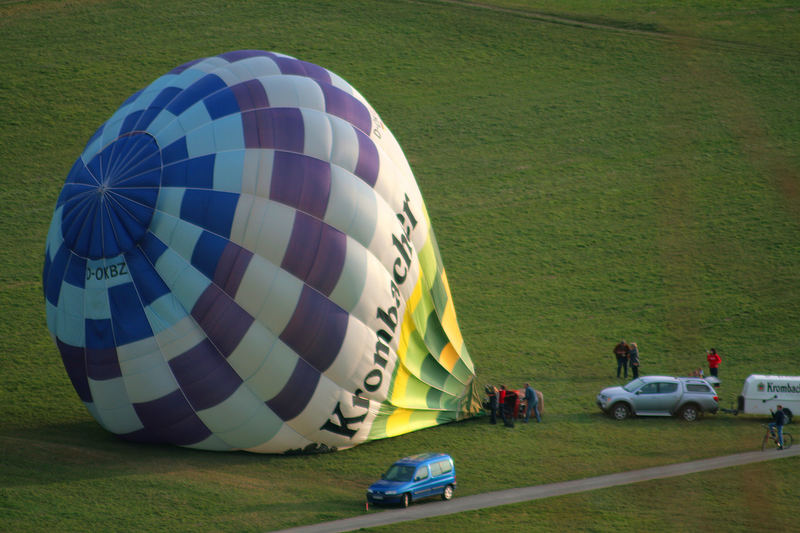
(399, 473)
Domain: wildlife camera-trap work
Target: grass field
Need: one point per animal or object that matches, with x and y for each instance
(592, 170)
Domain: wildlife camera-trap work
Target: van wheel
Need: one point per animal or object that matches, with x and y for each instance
(620, 411)
(690, 412)
(448, 492)
(406, 500)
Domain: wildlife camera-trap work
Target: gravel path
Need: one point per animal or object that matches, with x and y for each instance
(523, 494)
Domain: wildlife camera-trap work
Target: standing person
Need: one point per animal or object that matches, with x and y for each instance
(492, 390)
(633, 357)
(779, 419)
(621, 353)
(713, 362)
(501, 400)
(511, 406)
(532, 402)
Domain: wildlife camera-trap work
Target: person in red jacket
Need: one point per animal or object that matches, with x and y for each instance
(713, 361)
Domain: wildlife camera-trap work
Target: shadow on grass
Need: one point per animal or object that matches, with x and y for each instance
(83, 450)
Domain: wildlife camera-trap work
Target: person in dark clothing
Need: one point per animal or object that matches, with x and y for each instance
(778, 421)
(492, 391)
(501, 400)
(510, 404)
(532, 403)
(621, 353)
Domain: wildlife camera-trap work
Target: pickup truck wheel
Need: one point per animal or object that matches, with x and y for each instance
(620, 411)
(690, 412)
(448, 492)
(406, 500)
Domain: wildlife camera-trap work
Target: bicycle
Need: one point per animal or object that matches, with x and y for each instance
(772, 437)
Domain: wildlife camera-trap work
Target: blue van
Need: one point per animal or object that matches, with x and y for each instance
(414, 477)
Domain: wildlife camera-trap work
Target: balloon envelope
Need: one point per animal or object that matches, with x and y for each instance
(241, 259)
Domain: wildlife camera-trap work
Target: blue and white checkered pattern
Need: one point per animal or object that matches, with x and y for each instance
(217, 254)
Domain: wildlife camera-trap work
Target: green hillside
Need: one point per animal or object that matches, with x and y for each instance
(593, 171)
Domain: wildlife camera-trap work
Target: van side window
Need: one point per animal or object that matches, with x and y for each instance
(445, 466)
(436, 469)
(422, 473)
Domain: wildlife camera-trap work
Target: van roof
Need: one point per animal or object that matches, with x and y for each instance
(422, 457)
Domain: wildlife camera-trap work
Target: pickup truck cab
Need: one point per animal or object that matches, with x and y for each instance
(687, 398)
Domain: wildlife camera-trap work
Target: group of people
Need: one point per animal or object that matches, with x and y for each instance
(714, 360)
(506, 402)
(627, 354)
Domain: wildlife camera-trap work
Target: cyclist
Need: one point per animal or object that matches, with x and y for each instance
(779, 419)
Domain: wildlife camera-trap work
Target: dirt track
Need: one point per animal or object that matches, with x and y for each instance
(523, 494)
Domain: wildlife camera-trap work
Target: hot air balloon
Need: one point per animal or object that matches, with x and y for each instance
(241, 259)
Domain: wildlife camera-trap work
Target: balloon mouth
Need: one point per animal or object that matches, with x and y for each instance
(108, 203)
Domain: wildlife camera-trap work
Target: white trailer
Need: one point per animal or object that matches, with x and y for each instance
(762, 394)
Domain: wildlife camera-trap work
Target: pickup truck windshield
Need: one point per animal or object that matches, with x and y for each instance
(633, 385)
